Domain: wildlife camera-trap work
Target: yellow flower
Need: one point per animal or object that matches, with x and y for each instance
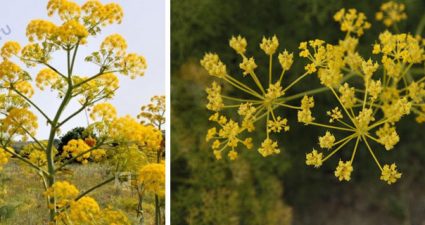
(97, 14)
(20, 121)
(48, 78)
(269, 45)
(39, 158)
(104, 112)
(134, 65)
(347, 95)
(416, 91)
(41, 30)
(215, 102)
(152, 177)
(10, 71)
(327, 141)
(238, 44)
(84, 210)
(352, 21)
(72, 32)
(4, 157)
(154, 112)
(76, 147)
(278, 125)
(374, 88)
(286, 60)
(396, 110)
(25, 88)
(34, 52)
(268, 147)
(248, 65)
(388, 136)
(305, 115)
(230, 131)
(63, 191)
(214, 66)
(314, 159)
(390, 173)
(343, 171)
(233, 155)
(273, 92)
(98, 154)
(67, 10)
(369, 68)
(211, 133)
(328, 77)
(335, 114)
(9, 49)
(391, 12)
(114, 43)
(127, 130)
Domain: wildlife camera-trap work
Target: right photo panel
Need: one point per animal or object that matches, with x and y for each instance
(297, 112)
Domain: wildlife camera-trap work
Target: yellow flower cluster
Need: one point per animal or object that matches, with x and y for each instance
(39, 158)
(238, 44)
(314, 158)
(67, 10)
(103, 87)
(71, 32)
(327, 141)
(215, 67)
(152, 178)
(4, 157)
(305, 115)
(154, 112)
(114, 44)
(269, 45)
(98, 155)
(82, 211)
(390, 173)
(41, 30)
(126, 129)
(261, 106)
(134, 65)
(48, 78)
(343, 170)
(75, 148)
(391, 13)
(352, 21)
(32, 53)
(372, 96)
(325, 58)
(359, 118)
(64, 193)
(226, 136)
(10, 49)
(19, 122)
(95, 13)
(25, 88)
(11, 72)
(103, 111)
(215, 101)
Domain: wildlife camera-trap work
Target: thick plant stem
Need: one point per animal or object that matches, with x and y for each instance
(53, 129)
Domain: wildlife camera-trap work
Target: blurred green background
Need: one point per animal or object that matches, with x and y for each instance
(280, 189)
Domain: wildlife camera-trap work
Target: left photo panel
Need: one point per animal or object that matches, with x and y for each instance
(82, 112)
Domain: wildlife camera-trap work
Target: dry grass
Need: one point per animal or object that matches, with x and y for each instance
(22, 202)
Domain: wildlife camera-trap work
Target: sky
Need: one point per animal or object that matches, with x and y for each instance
(143, 27)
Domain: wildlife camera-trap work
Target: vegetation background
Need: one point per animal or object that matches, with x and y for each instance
(279, 189)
